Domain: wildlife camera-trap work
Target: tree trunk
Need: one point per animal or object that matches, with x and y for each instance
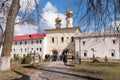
(8, 37)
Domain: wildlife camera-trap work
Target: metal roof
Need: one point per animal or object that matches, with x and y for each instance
(29, 36)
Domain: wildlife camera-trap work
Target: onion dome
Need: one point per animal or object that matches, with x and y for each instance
(69, 13)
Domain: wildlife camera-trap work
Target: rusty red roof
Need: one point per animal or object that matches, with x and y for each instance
(29, 36)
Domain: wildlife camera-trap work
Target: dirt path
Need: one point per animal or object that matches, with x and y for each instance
(58, 71)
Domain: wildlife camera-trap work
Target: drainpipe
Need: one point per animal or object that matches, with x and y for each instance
(79, 54)
(118, 35)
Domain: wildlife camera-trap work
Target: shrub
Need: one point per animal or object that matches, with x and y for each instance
(45, 60)
(95, 59)
(26, 59)
(17, 58)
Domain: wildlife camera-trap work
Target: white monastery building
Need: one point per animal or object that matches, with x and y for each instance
(97, 44)
(70, 39)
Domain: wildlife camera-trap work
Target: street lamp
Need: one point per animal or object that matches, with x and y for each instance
(93, 53)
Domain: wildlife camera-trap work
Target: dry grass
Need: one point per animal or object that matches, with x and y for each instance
(105, 71)
(18, 70)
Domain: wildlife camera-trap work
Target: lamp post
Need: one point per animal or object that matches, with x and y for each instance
(93, 53)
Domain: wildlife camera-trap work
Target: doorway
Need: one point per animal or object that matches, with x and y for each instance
(54, 55)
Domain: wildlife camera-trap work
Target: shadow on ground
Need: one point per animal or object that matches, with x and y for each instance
(24, 77)
(52, 69)
(71, 74)
(70, 65)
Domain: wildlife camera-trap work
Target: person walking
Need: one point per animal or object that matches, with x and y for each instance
(65, 58)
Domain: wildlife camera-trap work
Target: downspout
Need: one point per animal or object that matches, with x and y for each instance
(118, 35)
(79, 58)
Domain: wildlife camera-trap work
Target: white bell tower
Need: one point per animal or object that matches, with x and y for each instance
(58, 23)
(69, 19)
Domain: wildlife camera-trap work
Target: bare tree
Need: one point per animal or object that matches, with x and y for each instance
(96, 15)
(8, 37)
(27, 16)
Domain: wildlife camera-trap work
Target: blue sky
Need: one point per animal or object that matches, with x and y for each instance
(61, 5)
(49, 10)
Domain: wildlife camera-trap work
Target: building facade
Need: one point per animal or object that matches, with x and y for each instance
(100, 45)
(61, 39)
(24, 44)
(52, 42)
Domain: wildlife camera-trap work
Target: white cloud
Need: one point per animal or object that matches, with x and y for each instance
(25, 29)
(27, 5)
(21, 29)
(49, 14)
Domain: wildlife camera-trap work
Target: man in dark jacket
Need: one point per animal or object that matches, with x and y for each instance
(65, 58)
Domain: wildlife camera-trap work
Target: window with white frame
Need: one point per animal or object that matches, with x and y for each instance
(37, 41)
(40, 49)
(32, 42)
(40, 41)
(14, 50)
(25, 49)
(20, 42)
(16, 43)
(21, 49)
(25, 42)
(37, 49)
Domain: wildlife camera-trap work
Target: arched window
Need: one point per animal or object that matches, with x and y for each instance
(112, 53)
(72, 39)
(85, 53)
(114, 41)
(52, 40)
(62, 39)
(83, 42)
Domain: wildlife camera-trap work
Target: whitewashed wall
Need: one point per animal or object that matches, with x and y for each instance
(67, 33)
(102, 47)
(16, 49)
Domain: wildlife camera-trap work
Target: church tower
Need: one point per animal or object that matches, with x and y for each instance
(58, 23)
(69, 19)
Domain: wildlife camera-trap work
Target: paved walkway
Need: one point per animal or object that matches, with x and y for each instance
(58, 71)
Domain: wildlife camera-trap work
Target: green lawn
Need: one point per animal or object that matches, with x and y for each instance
(105, 71)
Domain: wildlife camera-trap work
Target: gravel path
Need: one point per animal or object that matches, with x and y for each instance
(58, 71)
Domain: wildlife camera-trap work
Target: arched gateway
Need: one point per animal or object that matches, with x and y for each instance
(54, 55)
